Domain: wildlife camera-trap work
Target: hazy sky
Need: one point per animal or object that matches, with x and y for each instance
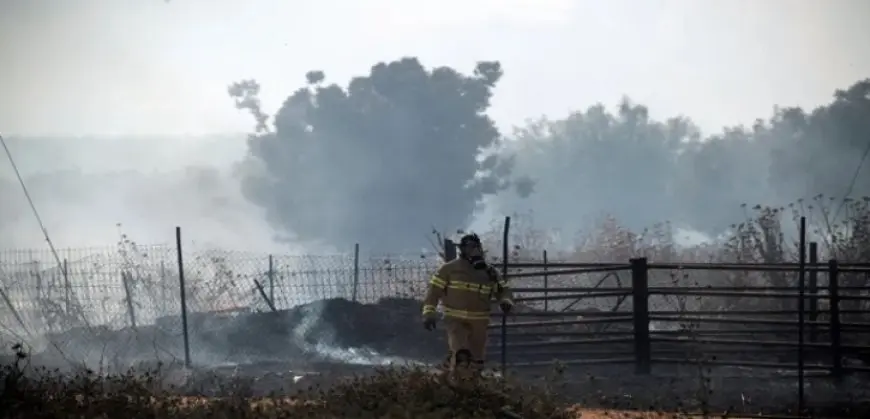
(150, 66)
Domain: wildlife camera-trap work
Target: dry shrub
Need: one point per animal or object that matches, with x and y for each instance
(770, 235)
(766, 235)
(388, 393)
(417, 393)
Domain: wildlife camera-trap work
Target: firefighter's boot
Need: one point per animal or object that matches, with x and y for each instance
(477, 367)
(462, 364)
(477, 339)
(463, 358)
(447, 365)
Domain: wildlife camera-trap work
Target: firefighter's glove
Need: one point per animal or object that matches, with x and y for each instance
(506, 306)
(429, 323)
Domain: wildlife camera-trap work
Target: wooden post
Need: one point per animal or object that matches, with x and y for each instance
(269, 302)
(802, 284)
(640, 312)
(546, 284)
(836, 342)
(813, 289)
(126, 280)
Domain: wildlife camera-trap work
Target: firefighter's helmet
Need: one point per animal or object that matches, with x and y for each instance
(469, 239)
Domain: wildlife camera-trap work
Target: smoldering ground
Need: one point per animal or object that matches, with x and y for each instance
(326, 332)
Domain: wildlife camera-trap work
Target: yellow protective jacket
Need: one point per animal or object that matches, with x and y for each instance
(465, 292)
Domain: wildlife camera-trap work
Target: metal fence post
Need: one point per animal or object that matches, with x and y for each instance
(183, 297)
(355, 270)
(813, 289)
(640, 312)
(504, 274)
(802, 284)
(546, 284)
(834, 296)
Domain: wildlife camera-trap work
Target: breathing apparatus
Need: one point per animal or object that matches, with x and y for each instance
(467, 244)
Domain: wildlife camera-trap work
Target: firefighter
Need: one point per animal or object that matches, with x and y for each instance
(466, 288)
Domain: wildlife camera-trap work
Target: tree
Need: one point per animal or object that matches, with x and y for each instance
(597, 162)
(793, 155)
(716, 176)
(819, 152)
(643, 171)
(380, 161)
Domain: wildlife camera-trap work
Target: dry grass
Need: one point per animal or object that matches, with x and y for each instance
(399, 393)
(415, 393)
(841, 229)
(410, 393)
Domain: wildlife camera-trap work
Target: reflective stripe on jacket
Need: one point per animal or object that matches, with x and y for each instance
(465, 292)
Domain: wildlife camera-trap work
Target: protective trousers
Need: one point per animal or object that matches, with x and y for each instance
(466, 339)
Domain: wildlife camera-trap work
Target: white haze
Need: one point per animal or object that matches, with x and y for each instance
(84, 189)
(138, 75)
(147, 69)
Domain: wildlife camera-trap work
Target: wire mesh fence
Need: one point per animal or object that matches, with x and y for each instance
(130, 294)
(134, 292)
(125, 301)
(120, 287)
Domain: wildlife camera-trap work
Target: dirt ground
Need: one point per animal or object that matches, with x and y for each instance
(272, 348)
(576, 411)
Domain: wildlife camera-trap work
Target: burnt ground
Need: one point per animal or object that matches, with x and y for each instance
(718, 390)
(335, 330)
(321, 342)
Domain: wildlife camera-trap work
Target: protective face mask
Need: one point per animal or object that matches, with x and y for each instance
(477, 262)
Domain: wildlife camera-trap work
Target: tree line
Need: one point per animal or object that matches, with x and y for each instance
(405, 148)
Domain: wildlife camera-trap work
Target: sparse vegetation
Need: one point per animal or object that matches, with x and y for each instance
(407, 392)
(765, 236)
